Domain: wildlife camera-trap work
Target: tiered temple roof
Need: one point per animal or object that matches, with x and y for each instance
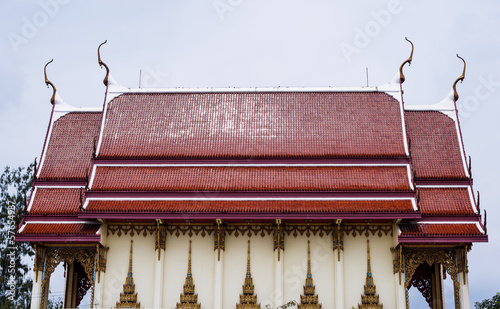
(258, 153)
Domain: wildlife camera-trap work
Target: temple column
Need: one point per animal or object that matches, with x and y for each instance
(464, 290)
(36, 291)
(279, 247)
(278, 278)
(159, 265)
(400, 292)
(339, 279)
(338, 266)
(399, 279)
(218, 278)
(219, 247)
(158, 280)
(101, 255)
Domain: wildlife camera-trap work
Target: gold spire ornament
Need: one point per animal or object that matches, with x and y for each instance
(248, 300)
(401, 75)
(461, 78)
(370, 299)
(189, 300)
(49, 83)
(309, 300)
(128, 299)
(105, 81)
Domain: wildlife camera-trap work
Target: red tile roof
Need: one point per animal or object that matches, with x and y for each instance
(445, 201)
(55, 201)
(441, 229)
(434, 146)
(60, 228)
(70, 146)
(269, 178)
(283, 206)
(276, 124)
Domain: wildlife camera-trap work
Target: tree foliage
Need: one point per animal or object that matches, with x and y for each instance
(15, 282)
(493, 303)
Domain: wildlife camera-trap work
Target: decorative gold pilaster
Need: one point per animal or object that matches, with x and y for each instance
(338, 238)
(161, 236)
(248, 300)
(309, 300)
(370, 299)
(279, 237)
(39, 260)
(128, 299)
(102, 253)
(397, 261)
(462, 262)
(219, 237)
(189, 300)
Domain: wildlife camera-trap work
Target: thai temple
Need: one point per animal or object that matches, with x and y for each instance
(215, 198)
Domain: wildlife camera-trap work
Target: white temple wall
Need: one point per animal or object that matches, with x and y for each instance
(355, 258)
(117, 268)
(322, 261)
(263, 263)
(176, 265)
(235, 263)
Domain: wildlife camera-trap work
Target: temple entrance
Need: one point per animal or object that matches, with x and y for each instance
(428, 281)
(78, 285)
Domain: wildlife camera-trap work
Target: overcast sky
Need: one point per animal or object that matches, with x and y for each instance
(247, 43)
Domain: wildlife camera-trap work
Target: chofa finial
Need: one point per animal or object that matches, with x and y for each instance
(401, 75)
(461, 78)
(105, 81)
(47, 82)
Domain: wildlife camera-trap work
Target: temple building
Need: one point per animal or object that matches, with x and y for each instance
(264, 197)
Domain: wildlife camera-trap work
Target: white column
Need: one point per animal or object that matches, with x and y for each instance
(99, 278)
(278, 277)
(36, 292)
(218, 278)
(158, 279)
(339, 278)
(400, 291)
(464, 291)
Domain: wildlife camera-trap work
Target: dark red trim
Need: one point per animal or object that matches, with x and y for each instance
(62, 218)
(58, 238)
(444, 182)
(250, 194)
(451, 219)
(59, 183)
(442, 239)
(244, 216)
(253, 160)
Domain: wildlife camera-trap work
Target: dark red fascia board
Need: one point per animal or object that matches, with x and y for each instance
(59, 183)
(240, 194)
(254, 160)
(58, 238)
(246, 215)
(444, 182)
(442, 239)
(48, 218)
(452, 218)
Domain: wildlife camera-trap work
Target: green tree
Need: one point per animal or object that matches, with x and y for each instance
(15, 281)
(493, 303)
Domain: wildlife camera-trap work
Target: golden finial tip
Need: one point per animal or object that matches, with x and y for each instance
(401, 75)
(461, 78)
